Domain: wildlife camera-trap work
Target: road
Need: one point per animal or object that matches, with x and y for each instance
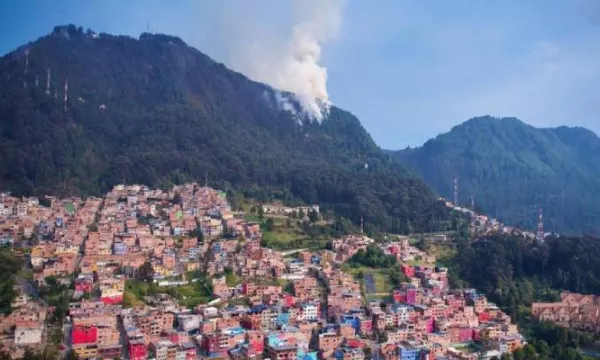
(369, 284)
(375, 349)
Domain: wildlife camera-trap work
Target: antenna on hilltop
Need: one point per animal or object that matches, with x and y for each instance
(540, 230)
(455, 190)
(473, 202)
(66, 93)
(362, 225)
(26, 61)
(26, 68)
(48, 81)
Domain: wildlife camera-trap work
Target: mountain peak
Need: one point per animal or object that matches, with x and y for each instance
(492, 120)
(169, 39)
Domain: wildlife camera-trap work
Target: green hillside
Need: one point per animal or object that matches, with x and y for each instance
(154, 110)
(512, 169)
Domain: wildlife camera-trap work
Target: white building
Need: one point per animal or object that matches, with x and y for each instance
(309, 312)
(189, 322)
(28, 333)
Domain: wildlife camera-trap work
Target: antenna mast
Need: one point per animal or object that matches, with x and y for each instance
(48, 81)
(26, 61)
(26, 68)
(540, 230)
(66, 93)
(362, 225)
(455, 190)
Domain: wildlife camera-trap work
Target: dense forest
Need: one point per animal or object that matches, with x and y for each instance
(512, 169)
(9, 267)
(517, 271)
(514, 272)
(156, 111)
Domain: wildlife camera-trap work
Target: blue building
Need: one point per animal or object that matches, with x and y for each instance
(119, 248)
(352, 320)
(283, 319)
(408, 353)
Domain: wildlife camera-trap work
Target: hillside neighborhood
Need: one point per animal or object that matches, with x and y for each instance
(178, 274)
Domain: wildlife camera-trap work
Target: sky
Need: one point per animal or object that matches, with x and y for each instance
(409, 70)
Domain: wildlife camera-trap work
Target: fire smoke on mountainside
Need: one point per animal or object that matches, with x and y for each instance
(294, 64)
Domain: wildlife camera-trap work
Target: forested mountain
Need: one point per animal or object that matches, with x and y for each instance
(512, 169)
(154, 110)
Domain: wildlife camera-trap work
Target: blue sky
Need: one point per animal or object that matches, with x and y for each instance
(408, 69)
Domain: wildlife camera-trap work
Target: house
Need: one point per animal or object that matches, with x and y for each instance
(28, 333)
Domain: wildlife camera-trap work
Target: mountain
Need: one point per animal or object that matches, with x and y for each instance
(155, 111)
(512, 169)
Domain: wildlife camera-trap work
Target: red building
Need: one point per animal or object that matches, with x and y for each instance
(112, 299)
(210, 343)
(84, 334)
(256, 341)
(83, 286)
(248, 288)
(289, 300)
(355, 343)
(484, 317)
(190, 351)
(430, 325)
(399, 296)
(408, 270)
(366, 326)
(411, 296)
(465, 334)
(137, 350)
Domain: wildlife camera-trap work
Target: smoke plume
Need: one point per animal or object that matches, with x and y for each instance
(292, 63)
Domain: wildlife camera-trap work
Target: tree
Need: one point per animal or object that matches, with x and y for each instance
(71, 355)
(313, 216)
(368, 352)
(56, 337)
(269, 224)
(261, 212)
(176, 198)
(145, 272)
(9, 266)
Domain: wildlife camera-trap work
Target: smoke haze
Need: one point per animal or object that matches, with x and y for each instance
(292, 62)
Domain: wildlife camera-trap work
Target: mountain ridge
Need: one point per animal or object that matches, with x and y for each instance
(153, 110)
(513, 168)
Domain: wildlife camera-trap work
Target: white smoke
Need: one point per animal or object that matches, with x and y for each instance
(293, 63)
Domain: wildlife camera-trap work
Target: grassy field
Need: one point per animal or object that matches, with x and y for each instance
(440, 250)
(287, 234)
(188, 295)
(232, 279)
(380, 279)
